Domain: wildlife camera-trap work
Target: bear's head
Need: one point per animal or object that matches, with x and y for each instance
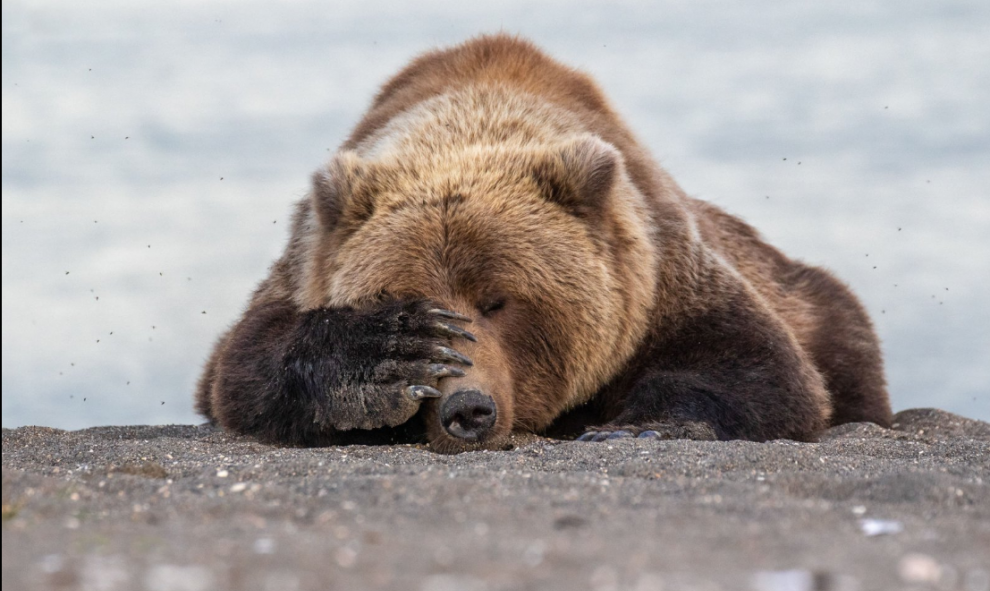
(544, 246)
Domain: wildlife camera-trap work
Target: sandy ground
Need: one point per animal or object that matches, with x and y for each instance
(185, 508)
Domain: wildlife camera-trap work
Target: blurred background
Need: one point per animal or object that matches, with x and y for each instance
(152, 153)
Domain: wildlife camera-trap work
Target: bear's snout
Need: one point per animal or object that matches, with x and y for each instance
(468, 415)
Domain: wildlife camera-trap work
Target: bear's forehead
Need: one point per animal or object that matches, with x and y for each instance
(460, 194)
(460, 243)
(476, 218)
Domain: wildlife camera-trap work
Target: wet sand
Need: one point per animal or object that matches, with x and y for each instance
(189, 508)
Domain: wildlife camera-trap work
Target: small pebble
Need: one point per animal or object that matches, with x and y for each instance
(880, 527)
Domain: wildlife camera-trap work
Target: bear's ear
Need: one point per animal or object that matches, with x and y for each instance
(579, 175)
(341, 193)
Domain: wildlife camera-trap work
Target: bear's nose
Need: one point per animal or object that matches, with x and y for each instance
(468, 414)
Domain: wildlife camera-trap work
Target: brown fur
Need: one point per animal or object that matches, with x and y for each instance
(489, 172)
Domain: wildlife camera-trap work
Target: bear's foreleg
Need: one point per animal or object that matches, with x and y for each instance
(732, 371)
(303, 378)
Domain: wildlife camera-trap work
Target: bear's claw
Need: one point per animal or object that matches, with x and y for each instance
(421, 392)
(450, 314)
(620, 434)
(448, 354)
(455, 331)
(690, 430)
(439, 370)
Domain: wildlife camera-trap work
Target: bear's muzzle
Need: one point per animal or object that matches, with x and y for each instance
(468, 415)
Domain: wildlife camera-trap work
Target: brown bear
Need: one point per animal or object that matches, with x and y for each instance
(493, 251)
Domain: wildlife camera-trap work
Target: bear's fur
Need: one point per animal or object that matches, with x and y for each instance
(491, 189)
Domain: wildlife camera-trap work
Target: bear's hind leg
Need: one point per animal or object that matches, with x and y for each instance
(846, 350)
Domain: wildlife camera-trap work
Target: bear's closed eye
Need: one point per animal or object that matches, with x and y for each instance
(490, 306)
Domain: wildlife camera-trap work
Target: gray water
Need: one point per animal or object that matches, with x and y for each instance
(152, 151)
